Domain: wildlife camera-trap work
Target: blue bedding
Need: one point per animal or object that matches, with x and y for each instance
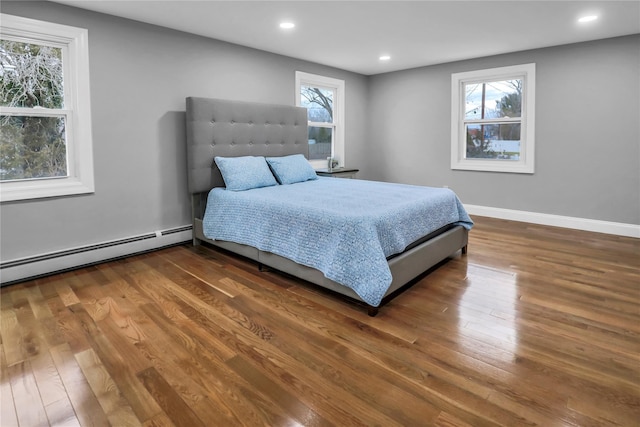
(345, 228)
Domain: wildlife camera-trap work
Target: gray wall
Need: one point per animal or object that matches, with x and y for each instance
(140, 76)
(587, 132)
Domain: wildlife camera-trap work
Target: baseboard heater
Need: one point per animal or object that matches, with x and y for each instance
(28, 268)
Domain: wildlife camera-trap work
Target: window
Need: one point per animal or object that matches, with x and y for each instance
(492, 119)
(45, 118)
(323, 97)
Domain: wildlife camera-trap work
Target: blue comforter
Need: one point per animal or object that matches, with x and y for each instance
(345, 228)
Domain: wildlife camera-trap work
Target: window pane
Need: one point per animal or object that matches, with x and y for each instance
(32, 147)
(490, 100)
(31, 75)
(320, 142)
(493, 141)
(318, 102)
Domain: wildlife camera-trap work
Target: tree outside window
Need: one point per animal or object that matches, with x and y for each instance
(485, 104)
(319, 104)
(31, 79)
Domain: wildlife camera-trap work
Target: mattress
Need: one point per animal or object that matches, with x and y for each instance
(345, 228)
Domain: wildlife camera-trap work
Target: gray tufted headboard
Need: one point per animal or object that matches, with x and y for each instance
(218, 127)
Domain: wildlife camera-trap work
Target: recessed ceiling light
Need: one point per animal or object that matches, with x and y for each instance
(385, 58)
(588, 18)
(287, 25)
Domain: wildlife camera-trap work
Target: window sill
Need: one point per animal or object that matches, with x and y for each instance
(45, 188)
(493, 166)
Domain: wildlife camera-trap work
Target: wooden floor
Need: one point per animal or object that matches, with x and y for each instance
(535, 326)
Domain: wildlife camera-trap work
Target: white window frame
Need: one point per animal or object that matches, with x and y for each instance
(338, 142)
(525, 164)
(77, 108)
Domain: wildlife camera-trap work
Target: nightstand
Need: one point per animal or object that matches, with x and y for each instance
(338, 172)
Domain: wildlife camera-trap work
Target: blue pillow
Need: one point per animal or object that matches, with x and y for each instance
(291, 169)
(245, 173)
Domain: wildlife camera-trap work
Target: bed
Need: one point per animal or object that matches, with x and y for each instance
(219, 129)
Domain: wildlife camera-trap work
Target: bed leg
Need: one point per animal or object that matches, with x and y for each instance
(464, 250)
(372, 311)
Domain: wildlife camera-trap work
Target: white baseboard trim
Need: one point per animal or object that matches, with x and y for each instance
(44, 264)
(616, 228)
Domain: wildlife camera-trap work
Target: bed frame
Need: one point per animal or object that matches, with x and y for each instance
(217, 127)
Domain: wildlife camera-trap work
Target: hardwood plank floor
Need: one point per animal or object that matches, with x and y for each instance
(534, 326)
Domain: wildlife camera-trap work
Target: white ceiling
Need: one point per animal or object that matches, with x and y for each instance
(352, 35)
